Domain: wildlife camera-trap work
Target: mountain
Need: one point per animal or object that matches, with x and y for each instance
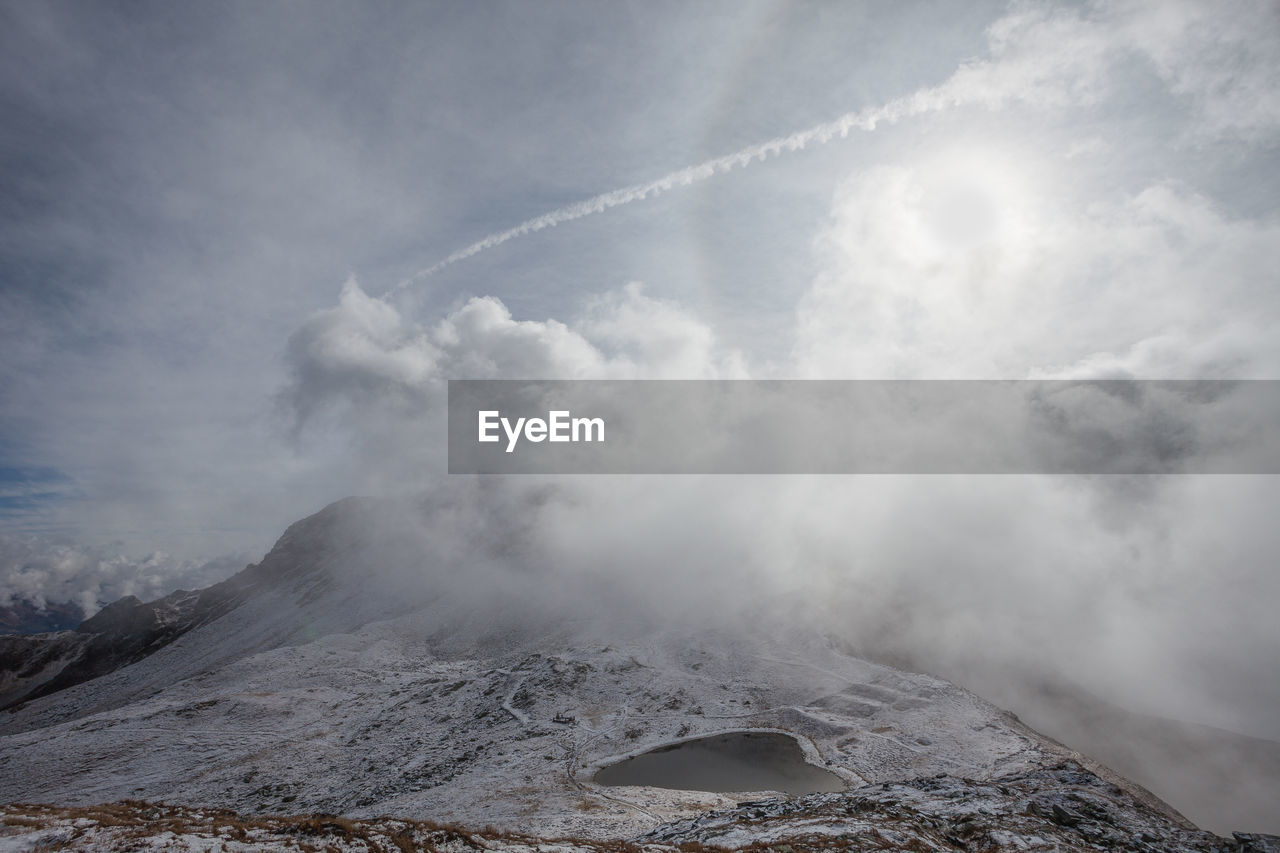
(129, 630)
(411, 659)
(23, 617)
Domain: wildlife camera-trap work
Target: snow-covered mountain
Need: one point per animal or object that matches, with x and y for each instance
(372, 665)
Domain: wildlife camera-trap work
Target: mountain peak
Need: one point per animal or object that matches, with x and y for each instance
(120, 615)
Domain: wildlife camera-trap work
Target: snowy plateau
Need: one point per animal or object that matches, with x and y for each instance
(367, 688)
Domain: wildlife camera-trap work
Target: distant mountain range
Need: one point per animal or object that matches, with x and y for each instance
(23, 617)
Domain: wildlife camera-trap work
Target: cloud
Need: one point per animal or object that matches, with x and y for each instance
(1158, 285)
(363, 350)
(1222, 58)
(43, 571)
(382, 376)
(359, 350)
(1040, 54)
(648, 338)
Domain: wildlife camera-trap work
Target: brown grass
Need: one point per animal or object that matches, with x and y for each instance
(133, 820)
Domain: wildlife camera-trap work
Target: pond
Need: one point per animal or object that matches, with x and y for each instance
(732, 761)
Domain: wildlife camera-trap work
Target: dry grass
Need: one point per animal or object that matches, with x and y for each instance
(135, 820)
(132, 821)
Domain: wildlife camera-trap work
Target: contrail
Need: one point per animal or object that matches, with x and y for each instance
(923, 101)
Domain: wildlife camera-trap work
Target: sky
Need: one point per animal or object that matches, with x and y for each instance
(243, 245)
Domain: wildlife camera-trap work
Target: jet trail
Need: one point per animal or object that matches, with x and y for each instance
(923, 101)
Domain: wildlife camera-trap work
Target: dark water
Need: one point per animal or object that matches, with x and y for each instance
(734, 761)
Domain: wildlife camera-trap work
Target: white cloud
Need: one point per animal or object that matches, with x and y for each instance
(648, 338)
(1162, 274)
(386, 373)
(1223, 58)
(481, 340)
(43, 571)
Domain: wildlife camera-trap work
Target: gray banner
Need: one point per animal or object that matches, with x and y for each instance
(864, 427)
